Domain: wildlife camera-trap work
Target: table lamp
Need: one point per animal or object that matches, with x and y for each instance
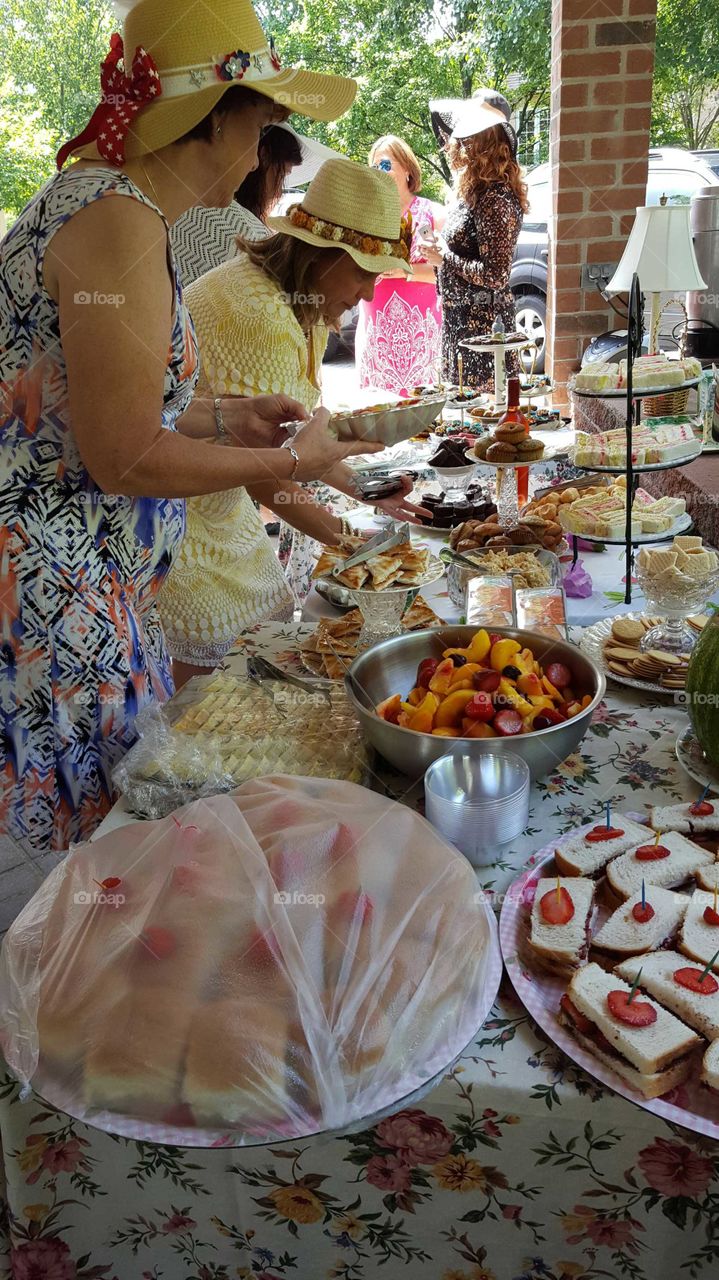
(661, 251)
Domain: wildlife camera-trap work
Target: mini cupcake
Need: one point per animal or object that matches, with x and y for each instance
(481, 446)
(500, 451)
(529, 449)
(511, 433)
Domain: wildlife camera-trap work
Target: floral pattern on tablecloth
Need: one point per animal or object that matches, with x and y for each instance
(516, 1166)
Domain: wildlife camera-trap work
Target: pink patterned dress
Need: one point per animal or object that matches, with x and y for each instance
(399, 333)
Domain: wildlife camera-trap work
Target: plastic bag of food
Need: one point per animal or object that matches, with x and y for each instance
(283, 960)
(221, 730)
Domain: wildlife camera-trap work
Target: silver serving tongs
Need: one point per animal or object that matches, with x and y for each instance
(259, 670)
(382, 541)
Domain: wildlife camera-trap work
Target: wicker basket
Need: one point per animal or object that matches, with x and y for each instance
(668, 404)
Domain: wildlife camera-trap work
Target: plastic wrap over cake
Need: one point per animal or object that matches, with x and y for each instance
(284, 960)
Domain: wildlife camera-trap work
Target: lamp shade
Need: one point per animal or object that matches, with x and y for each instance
(661, 251)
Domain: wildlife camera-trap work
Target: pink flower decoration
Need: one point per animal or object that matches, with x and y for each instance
(511, 1211)
(609, 1232)
(418, 1137)
(674, 1169)
(389, 1174)
(178, 1223)
(62, 1159)
(42, 1260)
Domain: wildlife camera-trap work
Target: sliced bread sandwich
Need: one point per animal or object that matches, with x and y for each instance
(699, 937)
(633, 929)
(561, 914)
(710, 1066)
(677, 985)
(689, 818)
(669, 863)
(589, 854)
(653, 1051)
(707, 876)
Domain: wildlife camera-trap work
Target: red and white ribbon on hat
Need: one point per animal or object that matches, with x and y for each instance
(123, 97)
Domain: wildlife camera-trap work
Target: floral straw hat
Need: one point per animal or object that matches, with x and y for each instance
(348, 206)
(176, 62)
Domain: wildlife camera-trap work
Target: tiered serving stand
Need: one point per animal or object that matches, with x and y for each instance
(633, 418)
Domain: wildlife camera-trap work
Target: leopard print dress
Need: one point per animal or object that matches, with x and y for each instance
(474, 280)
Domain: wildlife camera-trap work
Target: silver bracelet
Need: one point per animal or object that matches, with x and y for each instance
(220, 427)
(295, 455)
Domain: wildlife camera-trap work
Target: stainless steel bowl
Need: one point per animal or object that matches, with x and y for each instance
(391, 666)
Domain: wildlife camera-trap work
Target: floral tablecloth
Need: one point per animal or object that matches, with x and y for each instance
(517, 1166)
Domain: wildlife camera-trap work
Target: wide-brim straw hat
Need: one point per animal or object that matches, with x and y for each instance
(200, 48)
(348, 206)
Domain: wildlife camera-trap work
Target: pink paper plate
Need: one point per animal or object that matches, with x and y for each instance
(691, 1104)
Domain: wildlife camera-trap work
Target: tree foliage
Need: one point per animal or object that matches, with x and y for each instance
(26, 147)
(686, 74)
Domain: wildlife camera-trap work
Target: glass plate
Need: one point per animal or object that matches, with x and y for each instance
(692, 759)
(591, 641)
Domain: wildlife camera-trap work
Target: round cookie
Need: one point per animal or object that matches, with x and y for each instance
(627, 630)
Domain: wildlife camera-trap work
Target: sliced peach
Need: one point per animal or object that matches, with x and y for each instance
(403, 720)
(422, 718)
(445, 731)
(524, 660)
(586, 700)
(390, 708)
(461, 673)
(416, 696)
(479, 730)
(441, 679)
(519, 703)
(539, 701)
(466, 683)
(502, 653)
(572, 709)
(479, 646)
(550, 689)
(451, 708)
(528, 683)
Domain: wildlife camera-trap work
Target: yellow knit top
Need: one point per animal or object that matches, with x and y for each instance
(226, 576)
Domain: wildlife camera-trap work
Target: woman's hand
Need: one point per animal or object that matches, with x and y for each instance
(397, 506)
(253, 421)
(319, 451)
(434, 252)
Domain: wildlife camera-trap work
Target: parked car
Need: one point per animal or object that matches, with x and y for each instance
(672, 172)
(709, 157)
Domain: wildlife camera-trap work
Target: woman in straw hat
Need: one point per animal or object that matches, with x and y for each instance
(261, 322)
(399, 343)
(474, 254)
(98, 364)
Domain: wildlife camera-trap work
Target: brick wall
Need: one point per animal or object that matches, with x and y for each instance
(602, 65)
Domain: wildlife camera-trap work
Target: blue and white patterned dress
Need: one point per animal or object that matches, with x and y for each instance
(81, 646)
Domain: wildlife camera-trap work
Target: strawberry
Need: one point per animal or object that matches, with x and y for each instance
(507, 723)
(636, 1013)
(581, 1023)
(643, 914)
(557, 906)
(480, 707)
(693, 981)
(486, 681)
(651, 852)
(711, 916)
(598, 834)
(701, 810)
(559, 675)
(158, 942)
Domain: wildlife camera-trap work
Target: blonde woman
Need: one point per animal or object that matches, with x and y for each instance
(261, 321)
(399, 342)
(101, 437)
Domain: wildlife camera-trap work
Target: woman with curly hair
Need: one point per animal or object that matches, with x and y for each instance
(474, 254)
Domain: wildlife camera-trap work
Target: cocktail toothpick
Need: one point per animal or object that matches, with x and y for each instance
(710, 965)
(656, 838)
(715, 896)
(609, 815)
(644, 896)
(559, 891)
(635, 984)
(703, 796)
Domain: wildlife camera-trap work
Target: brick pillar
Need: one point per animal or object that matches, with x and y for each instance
(602, 64)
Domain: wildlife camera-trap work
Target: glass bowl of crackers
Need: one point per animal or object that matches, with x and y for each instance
(676, 580)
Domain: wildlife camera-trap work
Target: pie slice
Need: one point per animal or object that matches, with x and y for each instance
(384, 570)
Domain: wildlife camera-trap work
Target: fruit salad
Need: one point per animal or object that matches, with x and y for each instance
(493, 688)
